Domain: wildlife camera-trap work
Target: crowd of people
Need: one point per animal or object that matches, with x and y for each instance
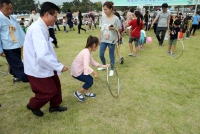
(41, 67)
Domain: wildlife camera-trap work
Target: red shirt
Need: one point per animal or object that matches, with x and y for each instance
(135, 28)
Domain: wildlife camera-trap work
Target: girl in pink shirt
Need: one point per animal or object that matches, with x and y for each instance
(81, 70)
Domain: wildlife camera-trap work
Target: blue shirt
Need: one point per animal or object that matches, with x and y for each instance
(196, 20)
(6, 41)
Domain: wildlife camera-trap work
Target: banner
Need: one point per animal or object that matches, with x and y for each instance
(153, 2)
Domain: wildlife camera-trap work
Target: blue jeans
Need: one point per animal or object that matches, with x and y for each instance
(111, 47)
(87, 79)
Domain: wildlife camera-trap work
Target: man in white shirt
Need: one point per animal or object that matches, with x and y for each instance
(41, 64)
(33, 17)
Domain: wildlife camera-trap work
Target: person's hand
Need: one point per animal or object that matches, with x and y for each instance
(95, 75)
(2, 54)
(64, 69)
(151, 26)
(105, 66)
(111, 28)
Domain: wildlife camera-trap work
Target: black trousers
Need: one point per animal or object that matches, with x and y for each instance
(13, 57)
(52, 35)
(161, 30)
(79, 28)
(155, 27)
(194, 28)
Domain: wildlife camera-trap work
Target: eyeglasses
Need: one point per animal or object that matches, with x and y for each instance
(55, 16)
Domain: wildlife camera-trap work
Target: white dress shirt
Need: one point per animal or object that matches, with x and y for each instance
(40, 60)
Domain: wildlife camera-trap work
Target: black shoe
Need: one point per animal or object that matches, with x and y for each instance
(56, 46)
(0, 105)
(37, 112)
(57, 109)
(16, 80)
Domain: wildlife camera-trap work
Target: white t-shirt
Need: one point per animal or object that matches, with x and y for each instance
(64, 22)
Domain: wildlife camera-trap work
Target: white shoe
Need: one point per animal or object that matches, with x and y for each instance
(101, 68)
(111, 73)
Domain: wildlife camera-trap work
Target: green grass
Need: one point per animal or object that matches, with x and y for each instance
(159, 94)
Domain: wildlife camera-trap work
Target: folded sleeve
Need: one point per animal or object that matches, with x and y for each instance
(44, 56)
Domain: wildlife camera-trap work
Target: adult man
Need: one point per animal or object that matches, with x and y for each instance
(163, 18)
(11, 41)
(41, 64)
(33, 17)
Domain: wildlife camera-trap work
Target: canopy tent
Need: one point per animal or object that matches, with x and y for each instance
(153, 2)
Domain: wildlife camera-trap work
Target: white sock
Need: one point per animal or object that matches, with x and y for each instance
(78, 93)
(87, 93)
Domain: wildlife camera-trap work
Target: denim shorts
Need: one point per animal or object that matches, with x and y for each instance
(136, 41)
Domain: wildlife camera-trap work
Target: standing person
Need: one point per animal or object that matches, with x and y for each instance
(163, 18)
(142, 39)
(90, 21)
(52, 35)
(80, 18)
(81, 70)
(69, 20)
(57, 25)
(108, 36)
(189, 26)
(129, 18)
(93, 19)
(33, 17)
(195, 23)
(24, 21)
(41, 64)
(11, 40)
(125, 13)
(146, 20)
(174, 34)
(64, 23)
(156, 22)
(136, 25)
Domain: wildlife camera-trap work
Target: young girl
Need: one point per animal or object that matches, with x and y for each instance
(142, 39)
(90, 21)
(137, 25)
(64, 23)
(81, 70)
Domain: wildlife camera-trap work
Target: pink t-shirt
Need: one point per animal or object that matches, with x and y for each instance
(81, 63)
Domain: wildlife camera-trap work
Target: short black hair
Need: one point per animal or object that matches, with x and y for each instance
(132, 10)
(177, 22)
(48, 7)
(165, 5)
(5, 1)
(33, 9)
(22, 18)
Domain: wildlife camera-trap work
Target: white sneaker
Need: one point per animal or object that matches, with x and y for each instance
(111, 73)
(130, 54)
(101, 68)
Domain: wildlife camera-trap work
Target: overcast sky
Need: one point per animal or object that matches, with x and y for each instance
(59, 2)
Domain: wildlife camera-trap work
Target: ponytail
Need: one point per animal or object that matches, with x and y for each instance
(92, 40)
(137, 14)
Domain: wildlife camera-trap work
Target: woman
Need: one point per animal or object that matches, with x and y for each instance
(69, 20)
(80, 17)
(147, 19)
(137, 25)
(108, 35)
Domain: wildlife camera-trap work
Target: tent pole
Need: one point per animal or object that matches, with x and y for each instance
(196, 7)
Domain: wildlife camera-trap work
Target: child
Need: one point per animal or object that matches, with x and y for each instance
(64, 23)
(189, 26)
(90, 21)
(23, 27)
(174, 33)
(142, 39)
(81, 70)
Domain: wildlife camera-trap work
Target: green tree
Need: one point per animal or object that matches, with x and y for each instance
(23, 5)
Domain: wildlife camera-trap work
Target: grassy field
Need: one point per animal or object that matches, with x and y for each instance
(159, 94)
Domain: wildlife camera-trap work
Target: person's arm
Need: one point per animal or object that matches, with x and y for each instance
(168, 22)
(169, 31)
(44, 57)
(178, 35)
(30, 20)
(154, 20)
